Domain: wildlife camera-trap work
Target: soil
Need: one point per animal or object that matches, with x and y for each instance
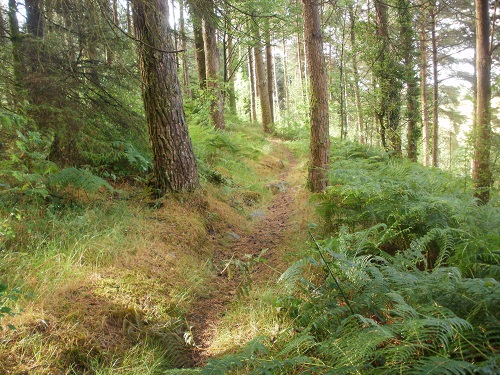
(270, 231)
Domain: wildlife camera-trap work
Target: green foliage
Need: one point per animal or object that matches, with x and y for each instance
(390, 292)
(6, 296)
(424, 209)
(28, 171)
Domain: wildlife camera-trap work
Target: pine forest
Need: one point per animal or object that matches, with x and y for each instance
(249, 187)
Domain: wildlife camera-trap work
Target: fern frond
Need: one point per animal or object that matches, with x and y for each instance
(79, 179)
(442, 366)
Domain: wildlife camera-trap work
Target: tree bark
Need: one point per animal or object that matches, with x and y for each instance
(435, 94)
(359, 110)
(320, 138)
(285, 77)
(423, 86)
(386, 72)
(174, 164)
(269, 67)
(481, 172)
(212, 71)
(34, 20)
(15, 38)
(407, 42)
(182, 30)
(253, 94)
(261, 78)
(199, 51)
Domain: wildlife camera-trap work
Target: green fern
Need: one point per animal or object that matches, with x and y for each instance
(442, 366)
(78, 179)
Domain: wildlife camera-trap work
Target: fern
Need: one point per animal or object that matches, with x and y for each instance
(442, 366)
(78, 179)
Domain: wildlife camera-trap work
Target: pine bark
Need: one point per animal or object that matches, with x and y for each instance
(320, 138)
(174, 164)
(412, 115)
(182, 30)
(261, 78)
(212, 72)
(253, 94)
(435, 93)
(357, 96)
(269, 67)
(481, 163)
(423, 86)
(386, 72)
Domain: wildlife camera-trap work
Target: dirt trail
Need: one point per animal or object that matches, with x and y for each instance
(269, 232)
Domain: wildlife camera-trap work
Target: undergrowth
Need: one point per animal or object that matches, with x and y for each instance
(93, 279)
(403, 281)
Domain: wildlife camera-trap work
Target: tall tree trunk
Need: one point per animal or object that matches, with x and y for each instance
(285, 77)
(253, 94)
(357, 96)
(342, 87)
(320, 138)
(426, 150)
(269, 67)
(481, 172)
(231, 91)
(34, 19)
(182, 30)
(212, 71)
(261, 78)
(115, 12)
(407, 42)
(174, 164)
(199, 51)
(15, 38)
(130, 27)
(386, 71)
(435, 94)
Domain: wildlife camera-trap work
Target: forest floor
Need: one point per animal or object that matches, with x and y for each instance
(114, 284)
(278, 227)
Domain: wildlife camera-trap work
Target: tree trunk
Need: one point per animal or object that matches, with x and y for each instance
(386, 71)
(481, 172)
(261, 78)
(269, 67)
(407, 42)
(130, 27)
(435, 100)
(182, 30)
(253, 94)
(212, 72)
(359, 110)
(230, 70)
(285, 77)
(34, 20)
(320, 138)
(15, 38)
(115, 12)
(423, 86)
(199, 51)
(174, 164)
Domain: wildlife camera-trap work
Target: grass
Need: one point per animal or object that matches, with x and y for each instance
(107, 279)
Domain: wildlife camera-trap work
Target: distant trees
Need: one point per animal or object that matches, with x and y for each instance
(71, 67)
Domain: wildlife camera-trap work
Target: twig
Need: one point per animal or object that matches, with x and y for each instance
(331, 273)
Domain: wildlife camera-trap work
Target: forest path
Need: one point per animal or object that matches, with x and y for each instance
(271, 231)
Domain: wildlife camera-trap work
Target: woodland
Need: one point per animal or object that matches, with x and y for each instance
(249, 187)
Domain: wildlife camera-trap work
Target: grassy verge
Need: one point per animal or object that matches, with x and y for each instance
(106, 279)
